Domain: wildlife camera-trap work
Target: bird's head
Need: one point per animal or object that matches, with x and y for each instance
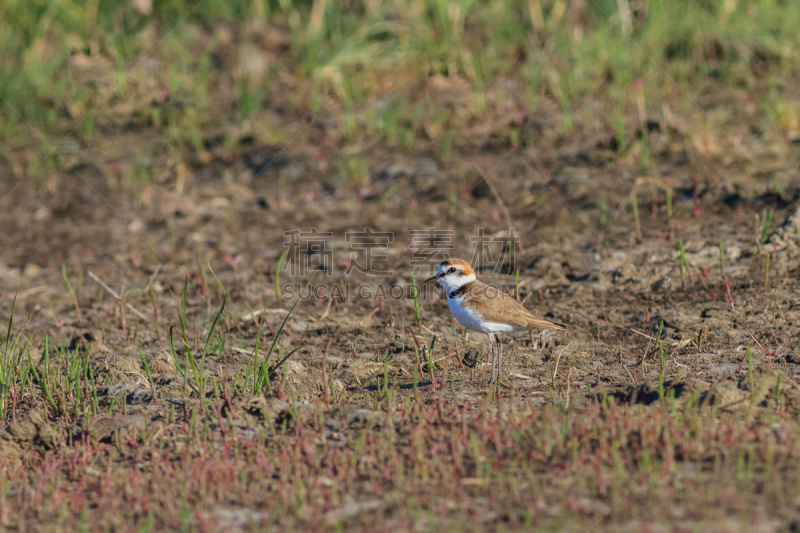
(453, 273)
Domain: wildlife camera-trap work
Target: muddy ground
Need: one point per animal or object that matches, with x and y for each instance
(579, 261)
(572, 266)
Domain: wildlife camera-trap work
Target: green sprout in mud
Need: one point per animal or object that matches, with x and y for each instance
(198, 369)
(261, 370)
(70, 291)
(661, 366)
(603, 217)
(683, 266)
(267, 372)
(767, 225)
(417, 308)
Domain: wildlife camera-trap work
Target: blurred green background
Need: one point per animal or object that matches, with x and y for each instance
(191, 80)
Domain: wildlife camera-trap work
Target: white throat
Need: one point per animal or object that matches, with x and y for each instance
(452, 282)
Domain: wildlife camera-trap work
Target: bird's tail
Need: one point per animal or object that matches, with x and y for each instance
(543, 323)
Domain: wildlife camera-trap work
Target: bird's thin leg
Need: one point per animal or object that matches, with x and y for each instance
(493, 377)
(499, 355)
(495, 361)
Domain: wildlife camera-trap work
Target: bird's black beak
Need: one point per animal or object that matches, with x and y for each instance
(432, 278)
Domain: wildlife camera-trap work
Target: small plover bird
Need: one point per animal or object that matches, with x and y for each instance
(483, 308)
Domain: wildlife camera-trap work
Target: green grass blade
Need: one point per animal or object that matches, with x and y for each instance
(11, 318)
(175, 360)
(274, 370)
(214, 325)
(262, 372)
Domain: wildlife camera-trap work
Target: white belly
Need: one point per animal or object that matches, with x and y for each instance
(474, 321)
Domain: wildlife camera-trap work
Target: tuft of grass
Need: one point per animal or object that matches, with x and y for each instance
(266, 372)
(354, 173)
(415, 296)
(41, 378)
(197, 368)
(6, 363)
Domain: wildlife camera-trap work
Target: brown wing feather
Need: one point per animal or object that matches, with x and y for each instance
(496, 306)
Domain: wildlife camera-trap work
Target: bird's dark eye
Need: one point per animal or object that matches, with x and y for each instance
(452, 269)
